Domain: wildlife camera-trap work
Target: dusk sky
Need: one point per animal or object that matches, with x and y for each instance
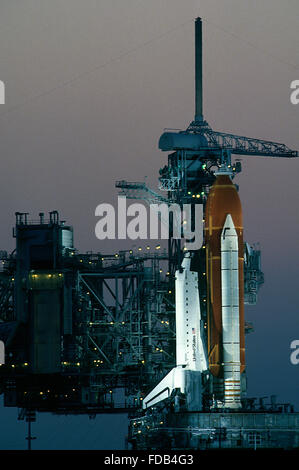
(90, 87)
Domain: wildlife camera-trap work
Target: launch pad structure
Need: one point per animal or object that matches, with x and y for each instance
(96, 333)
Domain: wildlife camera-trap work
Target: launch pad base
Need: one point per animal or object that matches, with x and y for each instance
(204, 431)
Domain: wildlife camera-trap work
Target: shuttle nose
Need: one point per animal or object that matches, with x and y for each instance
(228, 228)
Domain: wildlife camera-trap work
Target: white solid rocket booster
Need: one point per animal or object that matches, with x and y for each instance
(230, 314)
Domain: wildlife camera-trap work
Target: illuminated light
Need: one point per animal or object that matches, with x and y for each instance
(94, 349)
(204, 300)
(203, 274)
(89, 262)
(161, 350)
(162, 321)
(110, 391)
(60, 275)
(131, 251)
(140, 249)
(134, 424)
(139, 431)
(78, 363)
(167, 274)
(161, 422)
(184, 222)
(103, 259)
(169, 292)
(25, 363)
(111, 323)
(202, 193)
(148, 247)
(116, 255)
(189, 192)
(157, 349)
(120, 353)
(203, 246)
(143, 361)
(12, 278)
(41, 393)
(193, 195)
(88, 293)
(203, 220)
(204, 166)
(198, 195)
(141, 398)
(158, 247)
(81, 260)
(185, 248)
(49, 275)
(122, 322)
(13, 366)
(161, 270)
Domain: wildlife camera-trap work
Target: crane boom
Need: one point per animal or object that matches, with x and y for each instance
(241, 145)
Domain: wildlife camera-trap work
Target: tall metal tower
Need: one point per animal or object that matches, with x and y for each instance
(195, 154)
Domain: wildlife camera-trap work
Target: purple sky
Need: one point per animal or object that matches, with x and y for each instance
(91, 85)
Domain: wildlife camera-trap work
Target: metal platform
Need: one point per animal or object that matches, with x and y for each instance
(201, 431)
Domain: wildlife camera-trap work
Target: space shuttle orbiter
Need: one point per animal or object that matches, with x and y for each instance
(191, 358)
(217, 351)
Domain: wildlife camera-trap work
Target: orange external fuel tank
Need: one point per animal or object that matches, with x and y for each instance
(223, 199)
